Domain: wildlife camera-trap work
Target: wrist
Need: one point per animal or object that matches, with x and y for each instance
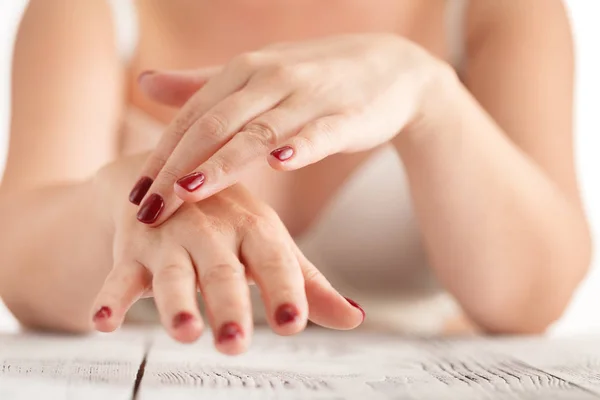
(438, 107)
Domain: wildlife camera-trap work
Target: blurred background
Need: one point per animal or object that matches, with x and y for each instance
(581, 317)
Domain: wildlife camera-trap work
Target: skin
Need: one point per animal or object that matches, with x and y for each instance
(490, 155)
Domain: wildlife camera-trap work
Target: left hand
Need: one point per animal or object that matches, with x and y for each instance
(298, 102)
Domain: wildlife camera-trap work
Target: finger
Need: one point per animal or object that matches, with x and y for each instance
(317, 140)
(174, 285)
(327, 307)
(123, 286)
(174, 88)
(207, 135)
(267, 252)
(222, 281)
(252, 144)
(215, 90)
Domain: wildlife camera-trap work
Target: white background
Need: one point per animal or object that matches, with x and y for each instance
(585, 14)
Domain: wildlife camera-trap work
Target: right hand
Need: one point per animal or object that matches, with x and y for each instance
(217, 246)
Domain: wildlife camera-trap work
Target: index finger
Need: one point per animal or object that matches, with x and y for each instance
(215, 90)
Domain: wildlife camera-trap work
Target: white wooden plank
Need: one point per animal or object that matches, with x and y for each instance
(38, 366)
(574, 359)
(350, 365)
(318, 364)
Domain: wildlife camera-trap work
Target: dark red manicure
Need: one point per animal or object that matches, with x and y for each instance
(192, 181)
(140, 189)
(285, 314)
(229, 331)
(283, 153)
(355, 304)
(150, 210)
(103, 313)
(181, 319)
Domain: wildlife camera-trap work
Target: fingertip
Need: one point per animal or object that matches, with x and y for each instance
(282, 158)
(185, 195)
(188, 333)
(231, 339)
(151, 209)
(288, 320)
(330, 309)
(105, 320)
(278, 165)
(358, 307)
(139, 190)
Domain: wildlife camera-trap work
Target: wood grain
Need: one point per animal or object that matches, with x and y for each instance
(354, 365)
(69, 367)
(317, 364)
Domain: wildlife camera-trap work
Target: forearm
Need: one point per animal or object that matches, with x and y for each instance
(55, 252)
(501, 236)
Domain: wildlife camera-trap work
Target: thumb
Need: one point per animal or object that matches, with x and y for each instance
(174, 88)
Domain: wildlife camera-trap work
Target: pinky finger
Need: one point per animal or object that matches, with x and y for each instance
(317, 140)
(123, 286)
(327, 307)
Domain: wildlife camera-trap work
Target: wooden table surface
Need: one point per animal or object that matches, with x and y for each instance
(318, 364)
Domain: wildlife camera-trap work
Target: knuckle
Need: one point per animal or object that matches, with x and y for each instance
(213, 126)
(173, 272)
(248, 61)
(307, 144)
(220, 167)
(248, 222)
(312, 274)
(169, 174)
(222, 273)
(277, 263)
(158, 161)
(324, 128)
(290, 74)
(262, 132)
(279, 71)
(182, 123)
(319, 140)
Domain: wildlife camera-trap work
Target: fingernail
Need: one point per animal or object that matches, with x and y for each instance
(283, 153)
(140, 189)
(285, 314)
(103, 313)
(192, 181)
(355, 304)
(151, 208)
(145, 74)
(229, 331)
(181, 319)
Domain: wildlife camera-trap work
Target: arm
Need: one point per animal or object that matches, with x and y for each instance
(54, 250)
(492, 171)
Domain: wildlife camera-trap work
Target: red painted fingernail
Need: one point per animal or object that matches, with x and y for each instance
(192, 181)
(140, 189)
(283, 153)
(229, 331)
(285, 314)
(355, 304)
(103, 313)
(150, 210)
(181, 319)
(145, 74)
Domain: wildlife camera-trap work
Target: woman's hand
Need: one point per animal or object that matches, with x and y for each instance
(298, 102)
(217, 247)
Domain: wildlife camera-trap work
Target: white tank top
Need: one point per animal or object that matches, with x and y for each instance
(366, 241)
